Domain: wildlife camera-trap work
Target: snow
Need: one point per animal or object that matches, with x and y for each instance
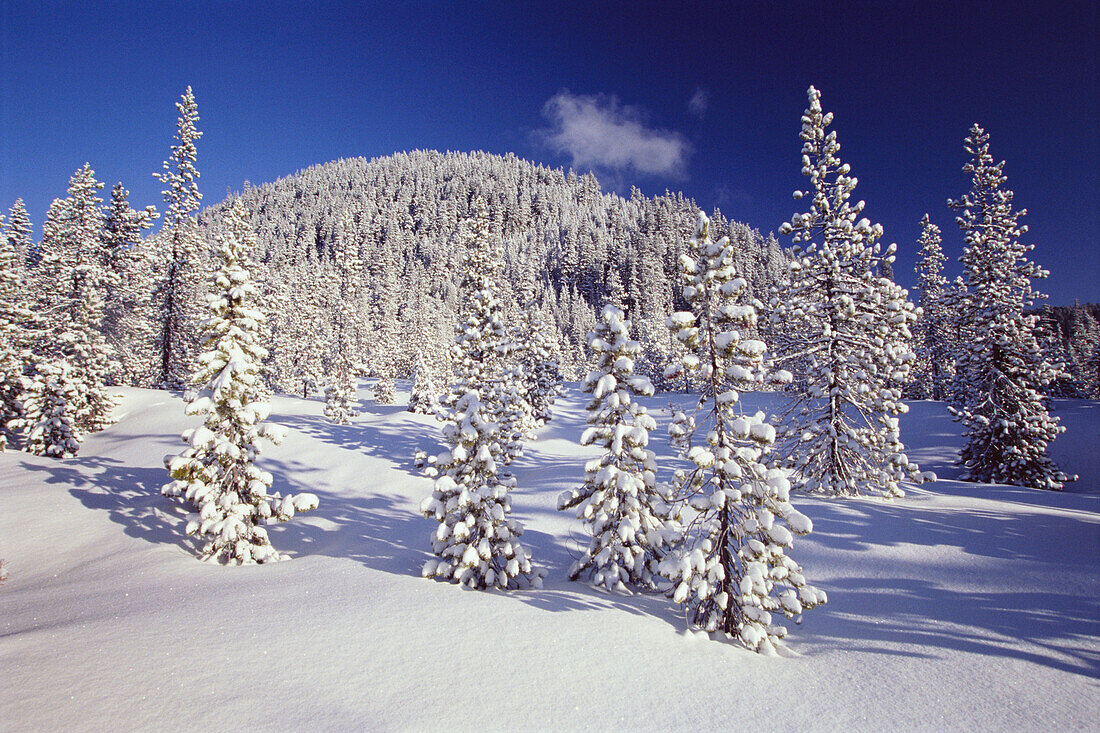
(969, 606)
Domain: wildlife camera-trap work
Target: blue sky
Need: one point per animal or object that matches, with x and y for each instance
(699, 97)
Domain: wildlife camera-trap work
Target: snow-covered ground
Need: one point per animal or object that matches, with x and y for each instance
(960, 606)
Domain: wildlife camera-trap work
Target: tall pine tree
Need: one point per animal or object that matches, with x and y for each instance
(735, 573)
(934, 365)
(1002, 371)
(217, 473)
(178, 291)
(844, 332)
(624, 510)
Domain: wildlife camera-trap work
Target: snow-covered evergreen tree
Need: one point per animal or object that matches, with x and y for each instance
(844, 332)
(624, 509)
(535, 355)
(482, 342)
(385, 347)
(341, 395)
(734, 573)
(477, 542)
(934, 365)
(72, 278)
(49, 413)
(422, 397)
(217, 474)
(129, 322)
(178, 292)
(15, 316)
(1007, 425)
(18, 234)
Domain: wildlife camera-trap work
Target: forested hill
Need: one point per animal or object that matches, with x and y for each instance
(580, 244)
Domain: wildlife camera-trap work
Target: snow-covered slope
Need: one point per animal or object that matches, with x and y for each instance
(958, 606)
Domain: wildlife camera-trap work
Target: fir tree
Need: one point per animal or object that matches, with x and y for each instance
(19, 234)
(422, 397)
(15, 316)
(482, 341)
(1007, 426)
(735, 574)
(49, 414)
(128, 319)
(623, 508)
(73, 277)
(934, 365)
(341, 394)
(477, 542)
(385, 341)
(217, 475)
(538, 367)
(178, 292)
(845, 332)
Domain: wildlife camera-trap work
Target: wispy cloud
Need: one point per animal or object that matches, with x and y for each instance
(598, 132)
(699, 102)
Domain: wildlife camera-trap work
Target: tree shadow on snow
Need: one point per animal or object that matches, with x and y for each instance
(130, 495)
(1045, 622)
(395, 440)
(1052, 629)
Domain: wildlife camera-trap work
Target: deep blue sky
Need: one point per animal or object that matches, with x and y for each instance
(282, 86)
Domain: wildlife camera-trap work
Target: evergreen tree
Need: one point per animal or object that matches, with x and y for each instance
(735, 573)
(956, 303)
(624, 509)
(128, 319)
(178, 292)
(385, 345)
(477, 542)
(482, 342)
(216, 475)
(15, 316)
(19, 234)
(537, 369)
(73, 277)
(341, 394)
(1007, 425)
(934, 366)
(845, 331)
(422, 397)
(49, 414)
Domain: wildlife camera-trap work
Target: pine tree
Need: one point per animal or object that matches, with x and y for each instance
(735, 573)
(178, 293)
(477, 542)
(128, 319)
(1007, 425)
(216, 475)
(422, 397)
(956, 303)
(934, 365)
(19, 234)
(49, 414)
(73, 277)
(385, 345)
(623, 507)
(15, 316)
(482, 342)
(341, 394)
(845, 332)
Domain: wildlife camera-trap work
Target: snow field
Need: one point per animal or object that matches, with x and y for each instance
(960, 606)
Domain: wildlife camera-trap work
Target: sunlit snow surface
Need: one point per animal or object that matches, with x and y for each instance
(960, 606)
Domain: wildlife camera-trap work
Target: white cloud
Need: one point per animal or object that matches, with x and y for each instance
(599, 133)
(699, 102)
